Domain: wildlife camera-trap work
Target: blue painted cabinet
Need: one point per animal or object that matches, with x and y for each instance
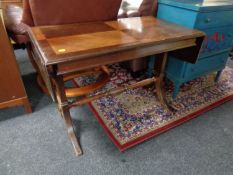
(215, 18)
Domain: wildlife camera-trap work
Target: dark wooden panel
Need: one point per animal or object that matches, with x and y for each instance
(11, 86)
(123, 56)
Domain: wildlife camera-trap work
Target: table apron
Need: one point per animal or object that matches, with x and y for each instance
(121, 56)
(43, 69)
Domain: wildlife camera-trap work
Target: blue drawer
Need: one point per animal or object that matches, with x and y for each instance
(217, 39)
(175, 69)
(205, 66)
(177, 15)
(214, 19)
(180, 13)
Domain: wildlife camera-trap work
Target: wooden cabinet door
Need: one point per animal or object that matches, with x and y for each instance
(12, 90)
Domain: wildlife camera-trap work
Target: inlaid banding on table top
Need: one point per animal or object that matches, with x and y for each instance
(132, 23)
(143, 24)
(85, 42)
(75, 29)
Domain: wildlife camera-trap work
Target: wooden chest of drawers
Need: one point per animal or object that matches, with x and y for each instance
(12, 92)
(215, 18)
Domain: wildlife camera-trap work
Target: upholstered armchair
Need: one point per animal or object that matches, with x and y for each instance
(57, 12)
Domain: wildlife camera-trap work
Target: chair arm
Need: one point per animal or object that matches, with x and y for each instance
(13, 17)
(17, 29)
(13, 14)
(13, 20)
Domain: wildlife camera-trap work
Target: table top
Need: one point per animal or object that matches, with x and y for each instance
(64, 43)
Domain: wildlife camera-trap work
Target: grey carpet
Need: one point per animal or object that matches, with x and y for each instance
(38, 144)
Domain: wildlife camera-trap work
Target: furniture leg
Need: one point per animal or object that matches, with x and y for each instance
(151, 63)
(176, 90)
(30, 56)
(64, 109)
(41, 84)
(27, 106)
(160, 80)
(39, 79)
(218, 76)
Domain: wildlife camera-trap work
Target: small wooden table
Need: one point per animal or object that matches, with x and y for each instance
(64, 49)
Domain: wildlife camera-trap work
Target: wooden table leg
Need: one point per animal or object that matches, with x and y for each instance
(64, 109)
(27, 106)
(160, 71)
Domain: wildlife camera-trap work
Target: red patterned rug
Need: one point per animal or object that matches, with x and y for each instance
(136, 115)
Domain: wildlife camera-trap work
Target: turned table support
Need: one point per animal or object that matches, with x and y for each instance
(160, 80)
(64, 106)
(64, 109)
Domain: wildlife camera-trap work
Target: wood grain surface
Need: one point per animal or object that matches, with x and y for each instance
(77, 41)
(12, 92)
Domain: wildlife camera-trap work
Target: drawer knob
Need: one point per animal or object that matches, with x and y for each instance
(207, 20)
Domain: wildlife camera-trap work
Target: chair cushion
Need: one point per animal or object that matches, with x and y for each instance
(53, 12)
